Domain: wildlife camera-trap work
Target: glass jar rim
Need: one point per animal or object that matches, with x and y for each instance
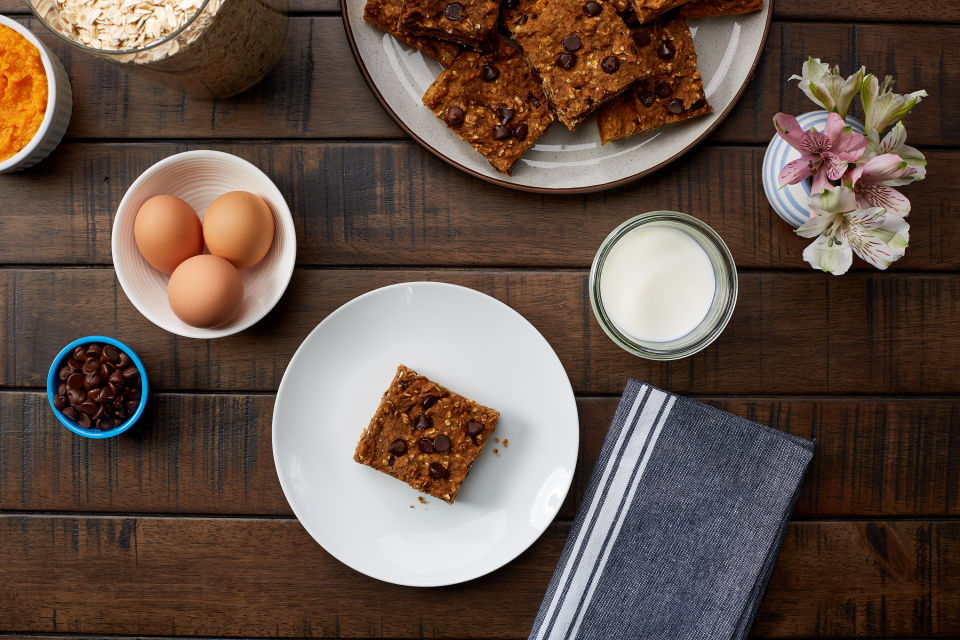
(118, 52)
(681, 350)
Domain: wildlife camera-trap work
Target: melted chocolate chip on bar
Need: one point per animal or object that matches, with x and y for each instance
(429, 401)
(502, 132)
(442, 444)
(489, 73)
(641, 37)
(666, 50)
(454, 119)
(520, 131)
(422, 422)
(505, 114)
(571, 43)
(398, 447)
(663, 89)
(454, 11)
(438, 471)
(675, 105)
(474, 428)
(425, 445)
(610, 64)
(566, 61)
(592, 9)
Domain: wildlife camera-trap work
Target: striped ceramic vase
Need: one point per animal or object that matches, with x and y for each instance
(790, 202)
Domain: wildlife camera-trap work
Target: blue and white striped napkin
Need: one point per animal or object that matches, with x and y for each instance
(679, 528)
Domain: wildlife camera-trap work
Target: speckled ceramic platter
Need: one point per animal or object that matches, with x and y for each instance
(563, 161)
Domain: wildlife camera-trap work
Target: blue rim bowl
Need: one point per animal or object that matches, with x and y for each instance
(53, 382)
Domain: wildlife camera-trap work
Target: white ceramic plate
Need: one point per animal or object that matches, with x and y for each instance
(470, 343)
(728, 50)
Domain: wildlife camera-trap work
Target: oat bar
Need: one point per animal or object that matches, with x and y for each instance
(425, 435)
(647, 10)
(385, 15)
(673, 93)
(582, 51)
(711, 8)
(493, 101)
(468, 22)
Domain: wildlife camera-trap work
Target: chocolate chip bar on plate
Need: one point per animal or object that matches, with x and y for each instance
(468, 22)
(385, 15)
(493, 101)
(647, 10)
(582, 51)
(673, 93)
(711, 8)
(425, 435)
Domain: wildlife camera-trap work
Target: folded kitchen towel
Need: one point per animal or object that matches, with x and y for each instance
(679, 527)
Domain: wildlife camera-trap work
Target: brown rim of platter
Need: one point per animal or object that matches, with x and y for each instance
(548, 190)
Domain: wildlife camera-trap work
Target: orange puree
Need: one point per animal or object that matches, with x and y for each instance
(23, 92)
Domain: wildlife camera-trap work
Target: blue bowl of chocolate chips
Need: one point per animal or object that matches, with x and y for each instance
(97, 387)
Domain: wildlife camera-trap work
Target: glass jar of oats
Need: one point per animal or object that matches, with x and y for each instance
(209, 48)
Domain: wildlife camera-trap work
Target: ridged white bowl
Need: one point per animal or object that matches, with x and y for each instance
(59, 107)
(199, 178)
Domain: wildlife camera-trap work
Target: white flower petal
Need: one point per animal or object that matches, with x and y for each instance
(826, 255)
(836, 200)
(817, 225)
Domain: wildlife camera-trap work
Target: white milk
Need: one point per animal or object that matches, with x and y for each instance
(657, 284)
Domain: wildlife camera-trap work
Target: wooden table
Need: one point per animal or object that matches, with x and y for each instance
(179, 527)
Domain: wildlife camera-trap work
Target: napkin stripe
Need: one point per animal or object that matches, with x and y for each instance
(635, 442)
(622, 514)
(595, 497)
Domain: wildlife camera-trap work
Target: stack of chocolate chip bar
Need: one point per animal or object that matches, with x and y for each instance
(564, 59)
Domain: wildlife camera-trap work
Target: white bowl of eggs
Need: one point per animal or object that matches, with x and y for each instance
(204, 244)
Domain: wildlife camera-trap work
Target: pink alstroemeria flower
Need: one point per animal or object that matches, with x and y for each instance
(870, 182)
(823, 155)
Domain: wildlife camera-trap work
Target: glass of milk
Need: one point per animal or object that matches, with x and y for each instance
(663, 285)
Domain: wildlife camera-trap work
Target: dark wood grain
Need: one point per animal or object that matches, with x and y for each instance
(393, 203)
(791, 333)
(241, 577)
(211, 454)
(297, 99)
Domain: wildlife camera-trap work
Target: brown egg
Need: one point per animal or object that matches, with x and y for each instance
(168, 232)
(205, 291)
(238, 227)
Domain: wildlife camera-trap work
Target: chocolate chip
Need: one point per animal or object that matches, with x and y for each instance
(536, 103)
(474, 428)
(94, 350)
(134, 394)
(502, 132)
(489, 73)
(454, 11)
(425, 445)
(610, 64)
(454, 119)
(62, 389)
(675, 105)
(89, 407)
(566, 61)
(697, 105)
(511, 4)
(91, 365)
(124, 361)
(74, 364)
(105, 423)
(84, 421)
(131, 406)
(506, 115)
(60, 403)
(117, 377)
(438, 471)
(442, 444)
(571, 43)
(520, 131)
(646, 99)
(403, 384)
(75, 381)
(488, 46)
(64, 372)
(131, 372)
(92, 380)
(391, 461)
(75, 396)
(111, 353)
(429, 401)
(641, 37)
(666, 50)
(522, 20)
(397, 447)
(71, 413)
(663, 89)
(422, 422)
(592, 9)
(80, 353)
(120, 413)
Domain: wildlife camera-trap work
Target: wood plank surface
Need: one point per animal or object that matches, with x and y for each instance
(295, 101)
(240, 577)
(392, 203)
(792, 333)
(211, 454)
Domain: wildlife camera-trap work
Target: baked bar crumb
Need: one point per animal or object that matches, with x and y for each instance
(425, 435)
(647, 10)
(582, 51)
(492, 101)
(385, 15)
(468, 22)
(673, 93)
(712, 8)
(422, 501)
